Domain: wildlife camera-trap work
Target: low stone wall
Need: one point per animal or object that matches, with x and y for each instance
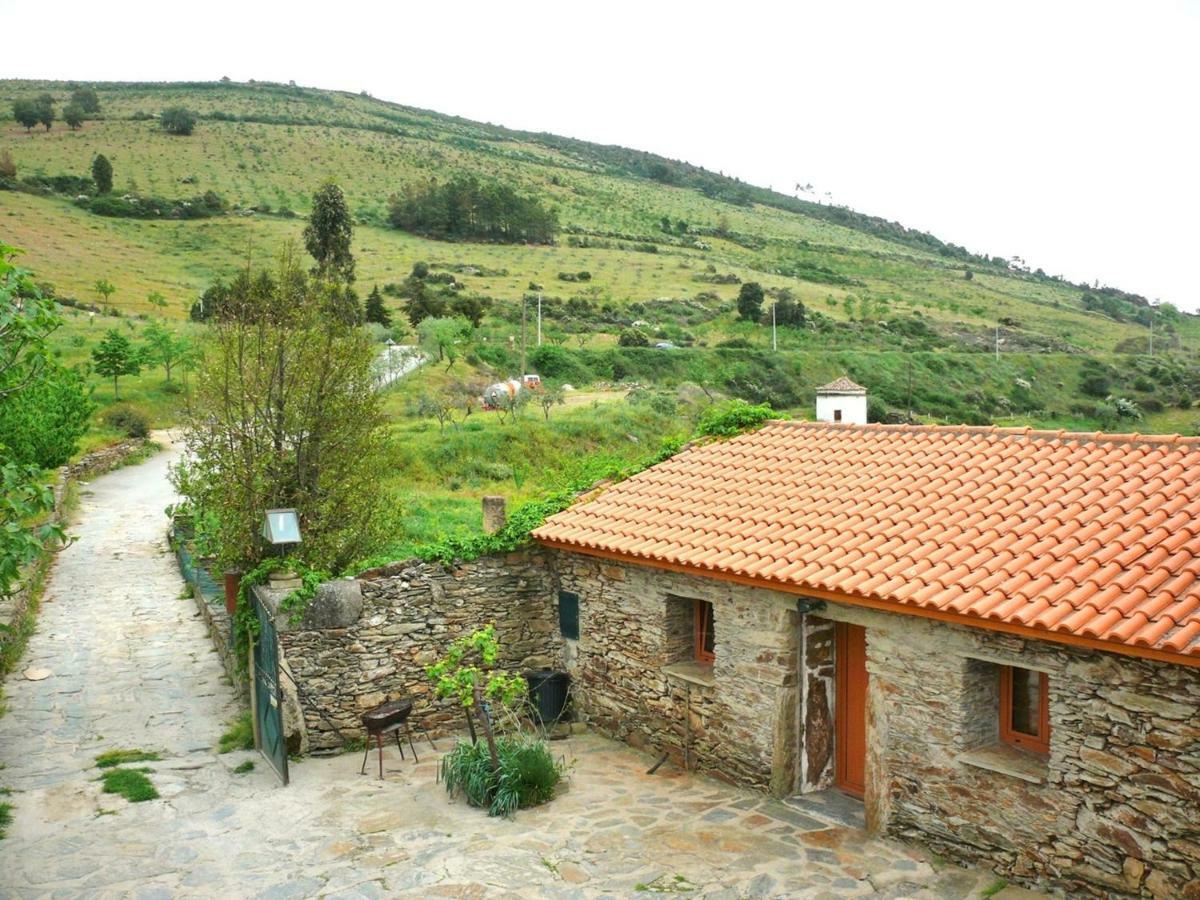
(348, 656)
(92, 465)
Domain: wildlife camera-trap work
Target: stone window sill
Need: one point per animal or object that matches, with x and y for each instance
(1008, 760)
(691, 672)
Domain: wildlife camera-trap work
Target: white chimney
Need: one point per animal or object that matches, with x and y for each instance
(842, 402)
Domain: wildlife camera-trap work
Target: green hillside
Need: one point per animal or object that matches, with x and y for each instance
(663, 244)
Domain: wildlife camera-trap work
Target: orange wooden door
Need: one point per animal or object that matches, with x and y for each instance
(851, 709)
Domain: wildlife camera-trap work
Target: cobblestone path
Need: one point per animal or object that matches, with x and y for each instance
(130, 666)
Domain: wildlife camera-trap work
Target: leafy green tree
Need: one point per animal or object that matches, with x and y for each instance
(178, 120)
(154, 298)
(164, 346)
(423, 303)
(43, 422)
(285, 414)
(329, 232)
(376, 311)
(550, 396)
(750, 301)
(45, 110)
(87, 100)
(26, 365)
(444, 336)
(633, 337)
(25, 111)
(102, 173)
(114, 357)
(105, 288)
(789, 311)
(73, 116)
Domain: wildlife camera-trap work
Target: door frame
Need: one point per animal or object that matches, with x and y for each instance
(849, 682)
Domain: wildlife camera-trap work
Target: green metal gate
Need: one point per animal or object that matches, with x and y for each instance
(268, 699)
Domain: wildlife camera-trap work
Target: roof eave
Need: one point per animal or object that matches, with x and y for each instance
(882, 605)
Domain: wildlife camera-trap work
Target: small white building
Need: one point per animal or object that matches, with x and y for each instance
(842, 401)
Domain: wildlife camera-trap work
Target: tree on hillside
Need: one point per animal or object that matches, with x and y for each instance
(102, 173)
(8, 168)
(25, 111)
(114, 357)
(750, 301)
(549, 397)
(165, 346)
(328, 234)
(376, 311)
(105, 289)
(45, 109)
(73, 116)
(177, 120)
(423, 303)
(789, 312)
(444, 336)
(285, 414)
(87, 100)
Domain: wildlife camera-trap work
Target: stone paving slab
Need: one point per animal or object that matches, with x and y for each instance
(132, 668)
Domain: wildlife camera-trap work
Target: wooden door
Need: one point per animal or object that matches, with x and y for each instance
(851, 709)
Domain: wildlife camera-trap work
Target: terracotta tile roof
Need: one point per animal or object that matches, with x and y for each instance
(841, 385)
(1078, 536)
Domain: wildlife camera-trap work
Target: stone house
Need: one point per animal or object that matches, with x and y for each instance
(991, 636)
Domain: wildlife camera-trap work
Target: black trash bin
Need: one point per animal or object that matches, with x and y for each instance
(548, 694)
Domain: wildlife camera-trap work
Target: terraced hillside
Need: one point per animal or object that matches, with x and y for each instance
(664, 245)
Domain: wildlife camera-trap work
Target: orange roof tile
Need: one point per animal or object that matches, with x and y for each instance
(1089, 536)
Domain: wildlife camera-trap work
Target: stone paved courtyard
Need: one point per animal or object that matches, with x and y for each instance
(126, 664)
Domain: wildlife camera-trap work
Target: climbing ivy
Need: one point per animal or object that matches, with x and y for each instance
(245, 622)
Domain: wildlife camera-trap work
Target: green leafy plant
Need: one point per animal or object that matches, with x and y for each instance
(132, 784)
(5, 818)
(526, 776)
(244, 767)
(238, 736)
(733, 418)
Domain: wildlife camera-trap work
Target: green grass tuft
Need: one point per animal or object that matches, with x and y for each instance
(243, 768)
(112, 758)
(238, 736)
(5, 818)
(132, 784)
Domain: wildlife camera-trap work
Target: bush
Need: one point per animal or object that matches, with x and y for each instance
(733, 418)
(177, 120)
(527, 776)
(127, 418)
(633, 337)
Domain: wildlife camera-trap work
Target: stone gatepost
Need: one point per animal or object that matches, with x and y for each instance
(494, 514)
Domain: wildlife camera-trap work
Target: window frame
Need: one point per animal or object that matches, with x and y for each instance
(837, 415)
(569, 597)
(703, 614)
(1037, 743)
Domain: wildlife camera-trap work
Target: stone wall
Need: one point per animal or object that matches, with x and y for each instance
(635, 621)
(1113, 809)
(817, 703)
(345, 663)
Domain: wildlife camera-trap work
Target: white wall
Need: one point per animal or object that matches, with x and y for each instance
(854, 409)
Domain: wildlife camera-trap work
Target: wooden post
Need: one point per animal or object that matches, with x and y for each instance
(253, 693)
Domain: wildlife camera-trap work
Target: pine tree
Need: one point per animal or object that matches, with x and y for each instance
(102, 173)
(115, 356)
(328, 234)
(750, 301)
(376, 311)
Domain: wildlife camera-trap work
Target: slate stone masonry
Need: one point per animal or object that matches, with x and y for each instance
(408, 615)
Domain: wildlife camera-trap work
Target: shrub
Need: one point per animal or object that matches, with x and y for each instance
(177, 120)
(527, 776)
(633, 337)
(127, 418)
(733, 418)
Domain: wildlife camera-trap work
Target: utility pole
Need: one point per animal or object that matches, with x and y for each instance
(522, 337)
(997, 343)
(1151, 329)
(774, 338)
(539, 318)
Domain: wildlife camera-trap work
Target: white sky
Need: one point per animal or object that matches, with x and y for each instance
(1065, 133)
